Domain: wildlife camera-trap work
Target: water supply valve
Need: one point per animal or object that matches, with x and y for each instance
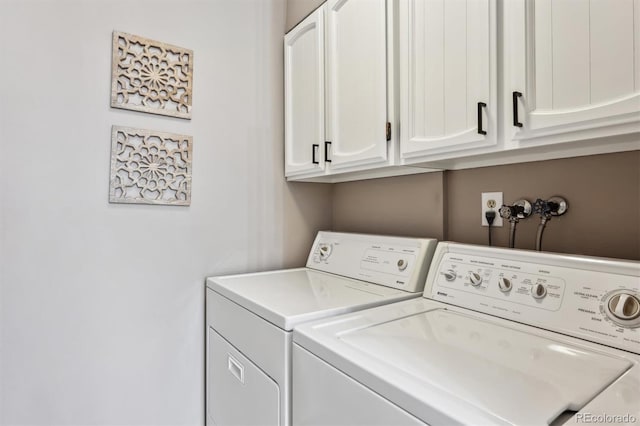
(554, 206)
(521, 209)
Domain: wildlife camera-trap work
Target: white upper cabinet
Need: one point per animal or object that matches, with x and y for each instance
(304, 96)
(341, 94)
(568, 75)
(572, 69)
(448, 81)
(356, 82)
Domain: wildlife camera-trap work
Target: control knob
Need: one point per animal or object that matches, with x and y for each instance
(402, 264)
(450, 275)
(325, 251)
(505, 285)
(475, 279)
(624, 306)
(538, 291)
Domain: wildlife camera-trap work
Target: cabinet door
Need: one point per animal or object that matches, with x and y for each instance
(356, 82)
(448, 86)
(304, 96)
(572, 69)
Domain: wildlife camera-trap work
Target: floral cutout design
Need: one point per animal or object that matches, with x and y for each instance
(151, 76)
(150, 167)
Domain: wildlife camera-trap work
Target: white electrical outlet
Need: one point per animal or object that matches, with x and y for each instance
(491, 201)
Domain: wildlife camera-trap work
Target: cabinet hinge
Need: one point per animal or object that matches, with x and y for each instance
(388, 131)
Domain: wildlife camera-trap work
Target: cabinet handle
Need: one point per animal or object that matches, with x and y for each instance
(314, 148)
(516, 122)
(326, 152)
(480, 106)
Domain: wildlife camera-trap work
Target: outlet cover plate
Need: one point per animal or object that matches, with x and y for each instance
(491, 201)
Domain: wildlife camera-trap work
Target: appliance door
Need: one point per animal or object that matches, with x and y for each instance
(451, 367)
(324, 396)
(238, 392)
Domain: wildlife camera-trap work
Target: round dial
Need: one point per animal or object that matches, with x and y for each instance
(538, 291)
(624, 306)
(325, 250)
(475, 279)
(450, 275)
(505, 285)
(402, 264)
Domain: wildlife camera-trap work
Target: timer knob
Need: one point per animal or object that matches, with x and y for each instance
(325, 250)
(538, 291)
(450, 275)
(475, 279)
(505, 285)
(402, 264)
(624, 306)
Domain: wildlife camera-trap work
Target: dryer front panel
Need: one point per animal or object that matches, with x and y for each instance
(238, 392)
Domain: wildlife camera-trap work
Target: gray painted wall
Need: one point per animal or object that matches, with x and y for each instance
(298, 9)
(603, 192)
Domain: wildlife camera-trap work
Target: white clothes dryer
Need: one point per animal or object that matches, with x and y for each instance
(250, 317)
(501, 336)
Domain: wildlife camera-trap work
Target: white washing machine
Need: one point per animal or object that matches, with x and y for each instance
(250, 317)
(500, 337)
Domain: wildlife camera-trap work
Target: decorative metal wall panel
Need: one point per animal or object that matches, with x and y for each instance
(149, 167)
(150, 76)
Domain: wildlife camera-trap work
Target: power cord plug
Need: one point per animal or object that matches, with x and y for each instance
(490, 215)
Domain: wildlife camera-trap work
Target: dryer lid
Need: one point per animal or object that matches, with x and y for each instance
(486, 371)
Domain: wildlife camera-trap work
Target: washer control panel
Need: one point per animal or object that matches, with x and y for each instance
(499, 280)
(591, 298)
(391, 261)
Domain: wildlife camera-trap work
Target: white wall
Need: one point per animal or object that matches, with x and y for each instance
(102, 305)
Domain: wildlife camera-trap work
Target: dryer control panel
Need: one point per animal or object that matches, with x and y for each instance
(396, 262)
(591, 298)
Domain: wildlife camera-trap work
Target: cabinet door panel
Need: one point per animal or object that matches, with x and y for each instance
(569, 27)
(544, 55)
(429, 55)
(304, 96)
(454, 72)
(576, 66)
(612, 69)
(481, 66)
(356, 81)
(447, 66)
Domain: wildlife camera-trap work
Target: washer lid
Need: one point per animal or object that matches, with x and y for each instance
(484, 372)
(289, 297)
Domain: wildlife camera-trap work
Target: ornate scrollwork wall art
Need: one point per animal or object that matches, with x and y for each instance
(150, 76)
(149, 167)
